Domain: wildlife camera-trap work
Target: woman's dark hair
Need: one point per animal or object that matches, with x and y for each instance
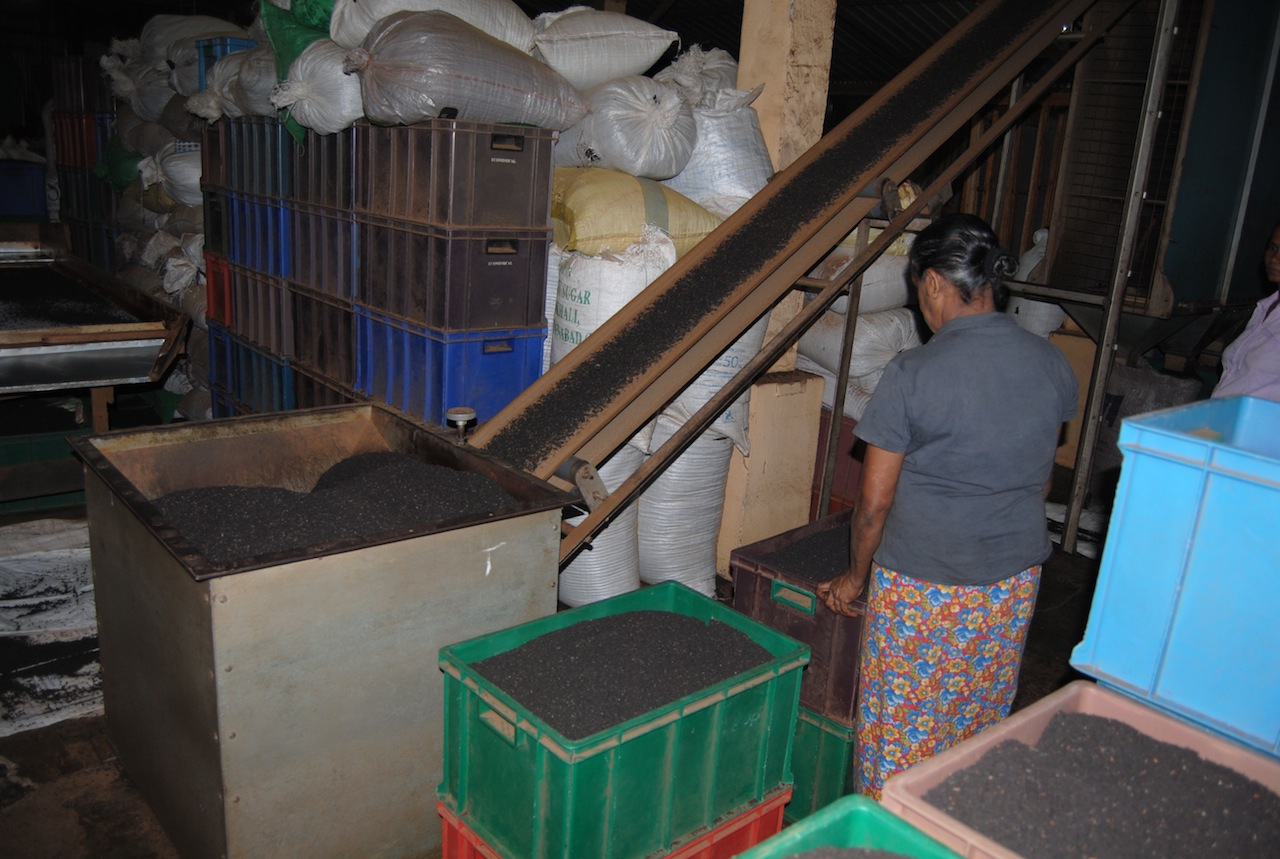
(965, 250)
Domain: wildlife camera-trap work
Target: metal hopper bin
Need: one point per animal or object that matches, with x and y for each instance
(290, 705)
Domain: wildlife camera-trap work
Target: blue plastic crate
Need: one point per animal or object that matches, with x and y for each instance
(424, 372)
(22, 190)
(222, 371)
(93, 243)
(212, 50)
(260, 235)
(1184, 615)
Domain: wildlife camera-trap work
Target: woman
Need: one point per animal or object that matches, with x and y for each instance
(950, 520)
(1251, 364)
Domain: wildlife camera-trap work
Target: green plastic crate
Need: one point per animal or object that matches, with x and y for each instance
(630, 791)
(851, 822)
(822, 760)
(39, 447)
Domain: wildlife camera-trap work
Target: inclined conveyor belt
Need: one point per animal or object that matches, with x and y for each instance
(615, 381)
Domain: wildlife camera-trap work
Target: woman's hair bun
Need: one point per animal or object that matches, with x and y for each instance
(999, 264)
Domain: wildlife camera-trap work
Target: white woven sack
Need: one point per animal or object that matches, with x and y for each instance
(884, 283)
(178, 273)
(413, 65)
(317, 93)
(680, 512)
(352, 20)
(145, 87)
(147, 138)
(185, 221)
(611, 564)
(589, 46)
(179, 170)
(877, 339)
(550, 297)
(217, 100)
(700, 74)
(156, 247)
(132, 215)
(252, 87)
(635, 124)
(161, 31)
(856, 396)
(732, 424)
(183, 58)
(591, 289)
(730, 158)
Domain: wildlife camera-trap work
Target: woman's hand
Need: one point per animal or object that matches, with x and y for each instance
(840, 593)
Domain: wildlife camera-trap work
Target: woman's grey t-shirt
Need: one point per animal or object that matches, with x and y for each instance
(977, 410)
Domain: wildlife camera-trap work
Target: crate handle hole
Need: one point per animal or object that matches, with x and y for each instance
(507, 142)
(495, 346)
(797, 598)
(502, 246)
(500, 726)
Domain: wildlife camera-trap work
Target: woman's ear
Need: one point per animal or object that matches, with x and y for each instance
(933, 282)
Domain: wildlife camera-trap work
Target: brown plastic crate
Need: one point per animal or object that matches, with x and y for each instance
(848, 471)
(262, 310)
(454, 173)
(785, 600)
(216, 235)
(904, 793)
(453, 280)
(324, 169)
(324, 336)
(213, 156)
(324, 249)
(80, 85)
(312, 391)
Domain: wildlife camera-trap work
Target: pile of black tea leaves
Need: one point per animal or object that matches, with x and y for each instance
(596, 674)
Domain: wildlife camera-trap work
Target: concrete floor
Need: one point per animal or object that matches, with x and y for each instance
(63, 793)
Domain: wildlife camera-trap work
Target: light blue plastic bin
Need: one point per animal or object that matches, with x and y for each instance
(1186, 614)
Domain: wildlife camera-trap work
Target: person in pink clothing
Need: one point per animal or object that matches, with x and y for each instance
(1251, 364)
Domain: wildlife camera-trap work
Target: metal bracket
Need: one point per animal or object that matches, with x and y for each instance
(583, 475)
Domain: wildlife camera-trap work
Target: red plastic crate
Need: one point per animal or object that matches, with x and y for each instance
(80, 137)
(785, 599)
(324, 335)
(739, 833)
(454, 173)
(262, 310)
(453, 280)
(217, 275)
(844, 482)
(325, 247)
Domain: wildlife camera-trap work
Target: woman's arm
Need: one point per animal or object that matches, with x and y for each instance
(876, 488)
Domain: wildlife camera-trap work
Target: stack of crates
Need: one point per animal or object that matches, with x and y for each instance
(703, 777)
(246, 174)
(209, 51)
(453, 220)
(322, 272)
(771, 587)
(83, 121)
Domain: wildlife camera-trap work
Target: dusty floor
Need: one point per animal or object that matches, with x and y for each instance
(64, 794)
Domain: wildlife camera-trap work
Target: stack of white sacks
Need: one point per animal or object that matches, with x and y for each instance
(159, 216)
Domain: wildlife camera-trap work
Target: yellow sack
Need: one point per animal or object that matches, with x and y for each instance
(594, 210)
